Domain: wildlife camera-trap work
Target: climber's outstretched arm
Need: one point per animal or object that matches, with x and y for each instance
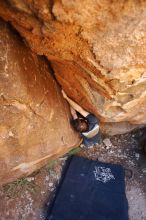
(75, 106)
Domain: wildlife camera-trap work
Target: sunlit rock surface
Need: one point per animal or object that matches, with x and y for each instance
(34, 117)
(97, 50)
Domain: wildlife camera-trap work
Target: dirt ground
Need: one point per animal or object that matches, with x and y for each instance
(29, 198)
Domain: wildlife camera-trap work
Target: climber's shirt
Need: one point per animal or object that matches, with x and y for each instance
(92, 136)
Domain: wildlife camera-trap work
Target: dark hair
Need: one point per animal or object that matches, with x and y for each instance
(80, 124)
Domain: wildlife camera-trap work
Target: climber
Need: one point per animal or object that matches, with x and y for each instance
(84, 122)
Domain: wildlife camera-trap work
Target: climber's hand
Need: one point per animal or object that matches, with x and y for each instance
(64, 94)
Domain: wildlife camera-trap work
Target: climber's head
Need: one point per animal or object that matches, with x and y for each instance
(80, 124)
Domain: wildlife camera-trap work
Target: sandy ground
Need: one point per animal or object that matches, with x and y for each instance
(29, 198)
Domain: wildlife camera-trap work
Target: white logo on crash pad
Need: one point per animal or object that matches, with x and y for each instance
(103, 174)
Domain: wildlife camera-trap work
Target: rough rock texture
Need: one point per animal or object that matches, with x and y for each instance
(34, 117)
(97, 49)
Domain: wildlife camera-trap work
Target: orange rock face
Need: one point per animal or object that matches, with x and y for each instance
(97, 50)
(35, 119)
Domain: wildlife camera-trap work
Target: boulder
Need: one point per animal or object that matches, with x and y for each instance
(35, 118)
(97, 50)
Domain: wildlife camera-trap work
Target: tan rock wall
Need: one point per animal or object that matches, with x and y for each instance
(34, 117)
(97, 50)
